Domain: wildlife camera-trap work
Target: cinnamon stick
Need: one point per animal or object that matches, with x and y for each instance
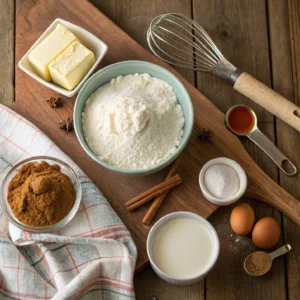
(153, 192)
(159, 200)
(153, 189)
(153, 195)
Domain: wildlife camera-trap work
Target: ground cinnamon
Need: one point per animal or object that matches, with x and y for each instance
(258, 263)
(40, 194)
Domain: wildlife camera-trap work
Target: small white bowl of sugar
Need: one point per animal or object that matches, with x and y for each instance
(222, 181)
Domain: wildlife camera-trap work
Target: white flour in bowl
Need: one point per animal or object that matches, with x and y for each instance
(133, 122)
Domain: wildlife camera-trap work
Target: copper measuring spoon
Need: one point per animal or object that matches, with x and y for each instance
(255, 135)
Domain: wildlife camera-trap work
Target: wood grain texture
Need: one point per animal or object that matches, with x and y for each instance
(233, 248)
(18, 4)
(239, 28)
(134, 17)
(40, 93)
(108, 7)
(30, 103)
(228, 275)
(284, 20)
(294, 21)
(7, 11)
(148, 284)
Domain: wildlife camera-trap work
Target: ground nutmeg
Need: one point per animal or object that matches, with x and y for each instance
(258, 263)
(40, 194)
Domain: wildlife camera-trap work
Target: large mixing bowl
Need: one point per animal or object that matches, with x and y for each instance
(131, 67)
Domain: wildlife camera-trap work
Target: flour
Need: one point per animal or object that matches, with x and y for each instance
(133, 122)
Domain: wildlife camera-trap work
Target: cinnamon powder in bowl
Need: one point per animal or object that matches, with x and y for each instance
(40, 194)
(258, 263)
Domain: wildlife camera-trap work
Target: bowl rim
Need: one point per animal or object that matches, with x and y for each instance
(43, 229)
(51, 85)
(241, 175)
(212, 232)
(110, 167)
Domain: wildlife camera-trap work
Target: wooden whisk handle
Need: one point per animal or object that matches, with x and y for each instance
(268, 99)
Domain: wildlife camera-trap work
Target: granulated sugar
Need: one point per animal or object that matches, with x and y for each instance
(221, 181)
(133, 122)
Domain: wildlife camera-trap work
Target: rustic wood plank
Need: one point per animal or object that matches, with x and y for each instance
(7, 29)
(148, 284)
(134, 17)
(220, 216)
(239, 29)
(18, 4)
(294, 18)
(108, 7)
(228, 275)
(284, 23)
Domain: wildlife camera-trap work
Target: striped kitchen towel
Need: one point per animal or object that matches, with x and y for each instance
(93, 257)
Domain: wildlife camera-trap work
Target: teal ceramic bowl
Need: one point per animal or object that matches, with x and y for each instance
(103, 76)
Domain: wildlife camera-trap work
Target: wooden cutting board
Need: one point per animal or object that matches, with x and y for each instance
(32, 19)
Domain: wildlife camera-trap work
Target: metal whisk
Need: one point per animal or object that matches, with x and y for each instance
(180, 41)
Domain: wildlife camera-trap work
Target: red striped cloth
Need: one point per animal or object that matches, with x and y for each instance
(92, 257)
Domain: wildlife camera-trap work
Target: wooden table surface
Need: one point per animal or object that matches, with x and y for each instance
(262, 37)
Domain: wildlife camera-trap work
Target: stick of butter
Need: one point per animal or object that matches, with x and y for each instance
(52, 46)
(71, 66)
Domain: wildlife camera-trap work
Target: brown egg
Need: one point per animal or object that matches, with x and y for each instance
(266, 233)
(242, 219)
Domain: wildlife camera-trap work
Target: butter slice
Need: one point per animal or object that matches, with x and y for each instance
(52, 46)
(71, 66)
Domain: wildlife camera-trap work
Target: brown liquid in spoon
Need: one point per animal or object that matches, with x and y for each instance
(241, 120)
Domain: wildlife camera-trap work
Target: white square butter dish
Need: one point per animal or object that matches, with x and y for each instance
(86, 38)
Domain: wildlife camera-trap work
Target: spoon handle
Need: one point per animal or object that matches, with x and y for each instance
(280, 251)
(284, 164)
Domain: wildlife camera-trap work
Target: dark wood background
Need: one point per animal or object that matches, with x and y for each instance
(262, 37)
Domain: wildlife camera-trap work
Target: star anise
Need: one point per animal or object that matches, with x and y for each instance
(54, 102)
(204, 135)
(66, 124)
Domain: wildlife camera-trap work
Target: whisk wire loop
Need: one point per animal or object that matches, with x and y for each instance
(194, 29)
(182, 42)
(181, 46)
(196, 47)
(172, 55)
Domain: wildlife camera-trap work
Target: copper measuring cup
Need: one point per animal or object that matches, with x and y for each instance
(255, 135)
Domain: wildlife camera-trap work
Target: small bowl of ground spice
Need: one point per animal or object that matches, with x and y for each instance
(40, 194)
